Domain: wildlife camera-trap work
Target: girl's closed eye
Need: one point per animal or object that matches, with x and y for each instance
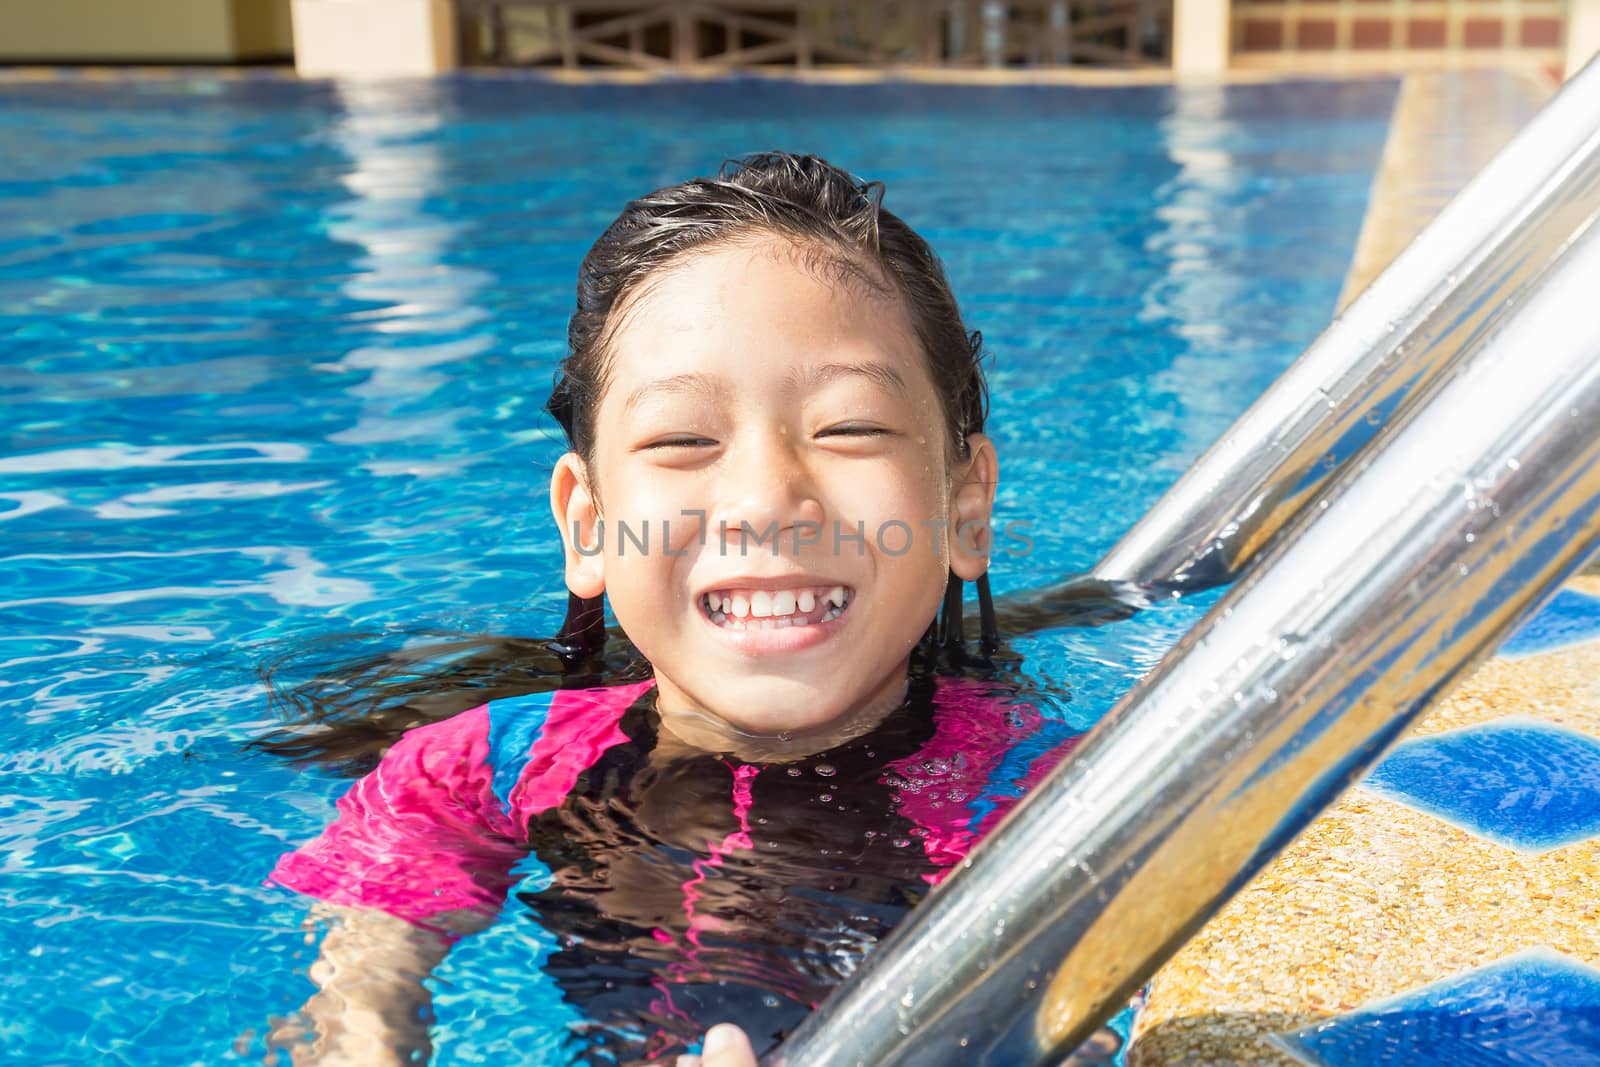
(856, 430)
(676, 441)
(857, 438)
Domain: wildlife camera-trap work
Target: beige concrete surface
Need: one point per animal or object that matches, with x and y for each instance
(373, 38)
(42, 31)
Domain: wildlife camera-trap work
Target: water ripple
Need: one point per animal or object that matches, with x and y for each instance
(274, 366)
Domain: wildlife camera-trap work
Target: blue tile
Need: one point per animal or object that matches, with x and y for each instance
(1536, 1009)
(1567, 619)
(1518, 781)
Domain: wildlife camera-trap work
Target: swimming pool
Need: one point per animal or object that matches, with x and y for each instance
(274, 363)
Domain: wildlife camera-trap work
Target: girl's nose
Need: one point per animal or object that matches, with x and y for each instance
(771, 496)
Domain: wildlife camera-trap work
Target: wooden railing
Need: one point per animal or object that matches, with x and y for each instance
(680, 34)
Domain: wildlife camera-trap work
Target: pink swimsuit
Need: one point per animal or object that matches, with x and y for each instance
(454, 806)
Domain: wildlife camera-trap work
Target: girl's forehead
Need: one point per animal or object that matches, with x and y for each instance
(758, 309)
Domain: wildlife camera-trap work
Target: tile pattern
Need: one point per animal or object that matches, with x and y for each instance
(1536, 1008)
(1377, 898)
(1447, 910)
(1569, 618)
(1517, 782)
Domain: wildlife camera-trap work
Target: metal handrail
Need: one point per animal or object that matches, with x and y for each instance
(1400, 333)
(1467, 509)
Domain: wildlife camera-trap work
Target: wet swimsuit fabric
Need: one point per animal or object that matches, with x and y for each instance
(686, 886)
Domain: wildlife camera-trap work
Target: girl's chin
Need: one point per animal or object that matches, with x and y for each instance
(812, 725)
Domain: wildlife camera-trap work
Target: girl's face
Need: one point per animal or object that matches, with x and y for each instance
(772, 498)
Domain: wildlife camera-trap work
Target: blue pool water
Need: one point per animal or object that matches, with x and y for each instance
(273, 366)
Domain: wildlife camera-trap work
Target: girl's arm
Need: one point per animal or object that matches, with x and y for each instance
(371, 1007)
(421, 855)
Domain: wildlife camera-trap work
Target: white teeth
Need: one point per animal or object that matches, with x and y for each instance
(783, 607)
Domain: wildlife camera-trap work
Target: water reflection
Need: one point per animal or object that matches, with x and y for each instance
(423, 304)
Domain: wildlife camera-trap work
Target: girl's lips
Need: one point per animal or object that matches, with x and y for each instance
(805, 624)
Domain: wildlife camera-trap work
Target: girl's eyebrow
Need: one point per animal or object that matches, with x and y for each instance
(700, 385)
(812, 378)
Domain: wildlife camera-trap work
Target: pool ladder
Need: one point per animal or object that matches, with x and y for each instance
(1421, 479)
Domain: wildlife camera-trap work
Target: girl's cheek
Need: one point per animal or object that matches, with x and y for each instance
(653, 495)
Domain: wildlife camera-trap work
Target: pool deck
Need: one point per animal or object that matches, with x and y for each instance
(1447, 909)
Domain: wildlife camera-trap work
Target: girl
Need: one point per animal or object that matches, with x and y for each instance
(777, 474)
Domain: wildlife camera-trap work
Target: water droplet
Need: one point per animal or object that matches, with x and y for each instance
(771, 1001)
(901, 842)
(826, 770)
(794, 772)
(911, 995)
(826, 798)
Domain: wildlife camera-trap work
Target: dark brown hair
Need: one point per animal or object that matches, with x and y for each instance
(840, 224)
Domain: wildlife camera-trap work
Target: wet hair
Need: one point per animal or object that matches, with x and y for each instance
(344, 713)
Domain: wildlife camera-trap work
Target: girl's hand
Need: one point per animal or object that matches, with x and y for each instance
(726, 1046)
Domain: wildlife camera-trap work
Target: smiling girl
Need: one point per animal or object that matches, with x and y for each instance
(776, 476)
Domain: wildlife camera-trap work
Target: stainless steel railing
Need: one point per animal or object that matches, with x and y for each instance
(1399, 334)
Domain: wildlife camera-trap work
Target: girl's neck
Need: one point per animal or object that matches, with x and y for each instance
(687, 732)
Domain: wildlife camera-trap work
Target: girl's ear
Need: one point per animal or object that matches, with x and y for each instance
(582, 531)
(971, 508)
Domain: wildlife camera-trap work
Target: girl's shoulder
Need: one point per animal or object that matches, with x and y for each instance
(538, 744)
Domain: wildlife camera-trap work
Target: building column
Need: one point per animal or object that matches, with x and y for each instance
(373, 38)
(1202, 32)
(1583, 33)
